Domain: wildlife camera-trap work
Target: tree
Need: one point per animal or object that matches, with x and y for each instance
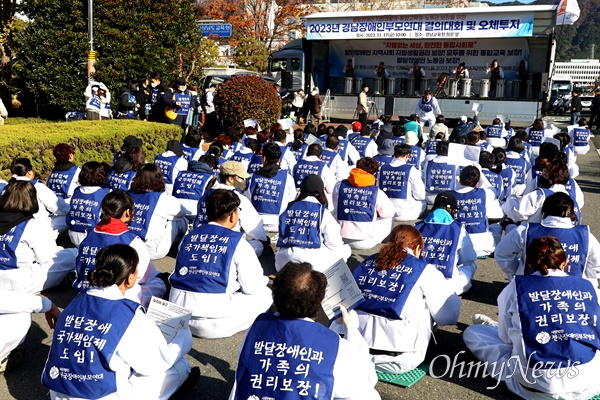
(133, 38)
(252, 55)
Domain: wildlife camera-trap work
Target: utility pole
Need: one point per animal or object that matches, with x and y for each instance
(92, 54)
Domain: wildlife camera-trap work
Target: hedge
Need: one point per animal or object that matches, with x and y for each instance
(92, 140)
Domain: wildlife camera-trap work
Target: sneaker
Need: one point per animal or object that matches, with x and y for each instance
(12, 360)
(480, 319)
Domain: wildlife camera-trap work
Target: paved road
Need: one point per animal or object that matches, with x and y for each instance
(217, 358)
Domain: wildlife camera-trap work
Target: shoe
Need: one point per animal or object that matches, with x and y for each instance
(480, 319)
(12, 360)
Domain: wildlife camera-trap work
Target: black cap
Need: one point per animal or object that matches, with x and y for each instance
(445, 200)
(181, 81)
(130, 142)
(175, 147)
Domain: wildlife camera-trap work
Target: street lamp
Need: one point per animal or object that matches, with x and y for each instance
(92, 54)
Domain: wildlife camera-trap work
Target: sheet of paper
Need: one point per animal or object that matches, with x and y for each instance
(463, 155)
(252, 122)
(341, 290)
(286, 123)
(571, 127)
(477, 107)
(311, 139)
(169, 317)
(555, 142)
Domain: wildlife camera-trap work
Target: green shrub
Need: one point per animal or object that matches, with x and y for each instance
(92, 140)
(247, 96)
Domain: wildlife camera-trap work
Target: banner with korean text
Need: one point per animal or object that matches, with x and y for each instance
(426, 26)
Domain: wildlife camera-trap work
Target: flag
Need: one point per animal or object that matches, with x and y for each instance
(567, 12)
(271, 20)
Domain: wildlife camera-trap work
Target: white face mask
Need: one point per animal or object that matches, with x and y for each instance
(154, 84)
(182, 88)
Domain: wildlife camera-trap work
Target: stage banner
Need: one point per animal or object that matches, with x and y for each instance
(434, 56)
(432, 26)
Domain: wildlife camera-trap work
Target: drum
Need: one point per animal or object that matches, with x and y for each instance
(465, 89)
(390, 85)
(500, 88)
(410, 86)
(377, 85)
(453, 88)
(508, 89)
(348, 85)
(358, 82)
(484, 88)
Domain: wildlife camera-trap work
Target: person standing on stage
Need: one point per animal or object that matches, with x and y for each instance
(461, 73)
(418, 73)
(495, 72)
(523, 77)
(382, 72)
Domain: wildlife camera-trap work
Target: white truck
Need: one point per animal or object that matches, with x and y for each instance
(561, 87)
(438, 40)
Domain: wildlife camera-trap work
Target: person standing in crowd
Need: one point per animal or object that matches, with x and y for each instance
(93, 102)
(157, 101)
(211, 127)
(523, 78)
(217, 273)
(343, 368)
(298, 105)
(65, 176)
(531, 335)
(495, 73)
(314, 105)
(124, 351)
(398, 331)
(128, 107)
(181, 101)
(142, 95)
(105, 110)
(427, 109)
(575, 107)
(417, 73)
(362, 106)
(595, 110)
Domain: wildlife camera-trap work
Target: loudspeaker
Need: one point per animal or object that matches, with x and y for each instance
(286, 80)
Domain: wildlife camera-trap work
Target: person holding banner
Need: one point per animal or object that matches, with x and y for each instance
(546, 352)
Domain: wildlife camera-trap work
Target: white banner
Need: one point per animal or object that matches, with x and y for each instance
(434, 56)
(433, 26)
(567, 12)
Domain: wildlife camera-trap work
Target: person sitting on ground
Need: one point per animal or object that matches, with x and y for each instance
(569, 355)
(121, 174)
(385, 130)
(313, 164)
(84, 214)
(486, 161)
(287, 159)
(581, 137)
(385, 153)
(298, 146)
(65, 176)
(463, 128)
(271, 188)
(340, 367)
(330, 154)
(192, 145)
(158, 218)
(397, 324)
(402, 184)
(508, 175)
(496, 134)
(518, 163)
(536, 133)
(217, 273)
(439, 127)
(364, 144)
(123, 350)
(413, 125)
(441, 174)
(171, 163)
(363, 211)
(447, 245)
(190, 185)
(117, 211)
(308, 231)
(29, 259)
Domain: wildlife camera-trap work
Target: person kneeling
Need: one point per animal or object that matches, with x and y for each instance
(217, 273)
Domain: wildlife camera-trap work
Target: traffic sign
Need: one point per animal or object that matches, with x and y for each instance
(215, 30)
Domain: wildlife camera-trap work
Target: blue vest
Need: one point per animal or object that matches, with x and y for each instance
(256, 163)
(441, 245)
(119, 181)
(8, 246)
(426, 106)
(85, 338)
(415, 158)
(398, 140)
(431, 147)
(494, 131)
(471, 210)
(84, 214)
(509, 133)
(352, 135)
(356, 204)
(283, 149)
(89, 247)
(241, 157)
(286, 359)
(581, 136)
(557, 319)
(535, 172)
(188, 152)
(394, 181)
(130, 111)
(185, 99)
(204, 259)
(190, 185)
(518, 166)
(95, 102)
(575, 243)
(440, 177)
(300, 225)
(343, 149)
(496, 182)
(383, 159)
(507, 177)
(267, 193)
(386, 292)
(576, 210)
(154, 96)
(300, 152)
(304, 168)
(166, 165)
(144, 206)
(570, 188)
(535, 137)
(59, 181)
(361, 143)
(328, 156)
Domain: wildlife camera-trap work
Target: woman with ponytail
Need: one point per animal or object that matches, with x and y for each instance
(116, 212)
(547, 323)
(120, 353)
(404, 296)
(29, 261)
(558, 220)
